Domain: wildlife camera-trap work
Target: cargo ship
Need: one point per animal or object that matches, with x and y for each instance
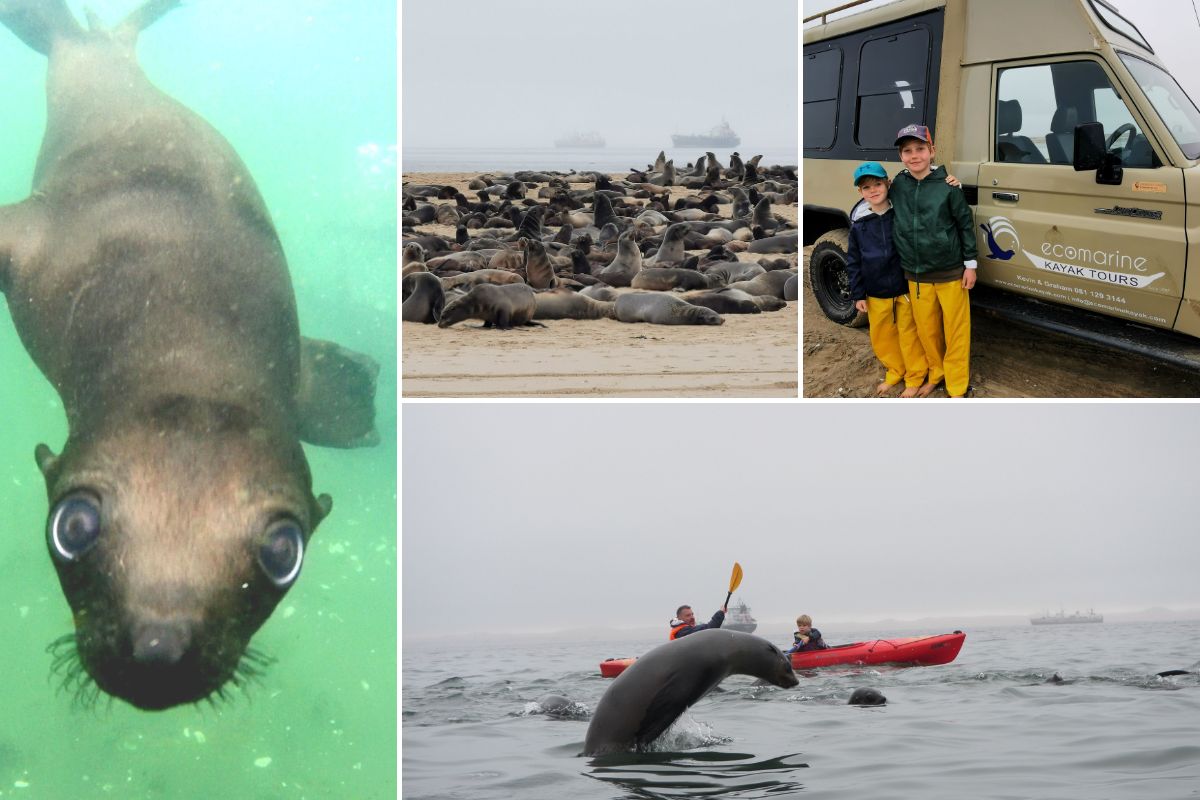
(1062, 618)
(589, 140)
(739, 618)
(720, 136)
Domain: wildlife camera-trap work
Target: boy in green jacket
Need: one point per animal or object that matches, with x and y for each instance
(935, 237)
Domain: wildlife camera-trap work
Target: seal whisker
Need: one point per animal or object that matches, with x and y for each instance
(74, 679)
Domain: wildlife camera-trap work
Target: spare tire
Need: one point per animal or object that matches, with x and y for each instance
(829, 280)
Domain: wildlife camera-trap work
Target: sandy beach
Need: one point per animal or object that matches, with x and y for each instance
(1007, 361)
(750, 355)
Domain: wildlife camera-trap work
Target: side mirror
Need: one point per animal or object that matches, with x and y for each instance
(1091, 152)
(1089, 146)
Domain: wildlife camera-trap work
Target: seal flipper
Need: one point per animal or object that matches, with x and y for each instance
(336, 402)
(146, 15)
(38, 23)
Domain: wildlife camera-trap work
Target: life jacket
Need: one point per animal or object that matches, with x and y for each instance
(675, 631)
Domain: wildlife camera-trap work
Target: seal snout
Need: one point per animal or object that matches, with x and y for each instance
(161, 643)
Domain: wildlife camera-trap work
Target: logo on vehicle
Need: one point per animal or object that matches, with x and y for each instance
(1000, 228)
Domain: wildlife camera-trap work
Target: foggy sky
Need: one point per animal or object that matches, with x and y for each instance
(520, 73)
(554, 516)
(1169, 26)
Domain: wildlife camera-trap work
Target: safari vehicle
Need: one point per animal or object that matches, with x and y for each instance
(1078, 152)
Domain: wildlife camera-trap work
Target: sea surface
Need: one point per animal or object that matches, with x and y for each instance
(605, 159)
(305, 91)
(988, 725)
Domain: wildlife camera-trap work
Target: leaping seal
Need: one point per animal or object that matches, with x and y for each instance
(147, 282)
(651, 694)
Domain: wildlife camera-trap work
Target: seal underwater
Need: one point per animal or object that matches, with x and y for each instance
(647, 697)
(147, 282)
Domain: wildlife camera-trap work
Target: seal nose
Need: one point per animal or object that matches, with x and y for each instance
(159, 643)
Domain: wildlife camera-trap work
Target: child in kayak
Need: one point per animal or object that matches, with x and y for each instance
(807, 637)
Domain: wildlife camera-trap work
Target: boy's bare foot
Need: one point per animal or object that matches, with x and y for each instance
(927, 389)
(910, 391)
(884, 389)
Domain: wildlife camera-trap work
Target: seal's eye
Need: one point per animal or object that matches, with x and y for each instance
(281, 552)
(74, 526)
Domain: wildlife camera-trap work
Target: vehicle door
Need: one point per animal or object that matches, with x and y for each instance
(1048, 231)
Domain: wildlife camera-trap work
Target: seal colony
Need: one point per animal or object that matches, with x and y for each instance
(656, 234)
(146, 279)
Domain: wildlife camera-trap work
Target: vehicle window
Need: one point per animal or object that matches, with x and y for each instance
(1109, 16)
(892, 77)
(822, 74)
(1176, 109)
(1038, 107)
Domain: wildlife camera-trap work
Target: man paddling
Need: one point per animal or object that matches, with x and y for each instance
(685, 621)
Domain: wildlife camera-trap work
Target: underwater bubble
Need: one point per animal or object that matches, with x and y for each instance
(264, 761)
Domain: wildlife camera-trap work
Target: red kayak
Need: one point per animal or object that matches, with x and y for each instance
(612, 667)
(914, 651)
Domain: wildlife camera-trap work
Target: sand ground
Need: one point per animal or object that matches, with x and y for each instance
(1007, 361)
(751, 355)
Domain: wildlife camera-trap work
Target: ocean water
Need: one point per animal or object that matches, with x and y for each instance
(607, 159)
(305, 91)
(985, 726)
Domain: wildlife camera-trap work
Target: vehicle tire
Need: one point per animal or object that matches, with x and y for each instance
(830, 281)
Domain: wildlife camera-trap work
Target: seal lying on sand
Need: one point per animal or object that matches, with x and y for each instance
(651, 694)
(663, 309)
(566, 304)
(500, 307)
(147, 282)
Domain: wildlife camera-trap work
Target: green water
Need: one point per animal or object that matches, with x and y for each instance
(302, 89)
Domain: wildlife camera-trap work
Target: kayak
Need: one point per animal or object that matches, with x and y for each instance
(612, 667)
(914, 651)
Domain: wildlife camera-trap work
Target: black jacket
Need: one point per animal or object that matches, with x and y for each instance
(815, 642)
(684, 630)
(873, 263)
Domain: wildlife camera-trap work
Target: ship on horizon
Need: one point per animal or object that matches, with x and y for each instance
(1062, 618)
(740, 618)
(720, 136)
(589, 140)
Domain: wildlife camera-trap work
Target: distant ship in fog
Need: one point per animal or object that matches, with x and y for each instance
(740, 618)
(1061, 618)
(720, 136)
(591, 140)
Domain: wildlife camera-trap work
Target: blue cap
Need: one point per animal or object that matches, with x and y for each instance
(914, 132)
(869, 168)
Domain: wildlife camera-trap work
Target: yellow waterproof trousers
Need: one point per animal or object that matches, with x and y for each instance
(895, 341)
(943, 315)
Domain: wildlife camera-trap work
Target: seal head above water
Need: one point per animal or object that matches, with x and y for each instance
(147, 281)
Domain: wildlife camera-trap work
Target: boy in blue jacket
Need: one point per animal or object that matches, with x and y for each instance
(878, 286)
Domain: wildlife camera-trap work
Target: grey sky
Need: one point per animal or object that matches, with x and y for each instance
(1169, 26)
(554, 516)
(520, 73)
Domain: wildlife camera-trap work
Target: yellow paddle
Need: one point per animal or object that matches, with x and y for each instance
(734, 581)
